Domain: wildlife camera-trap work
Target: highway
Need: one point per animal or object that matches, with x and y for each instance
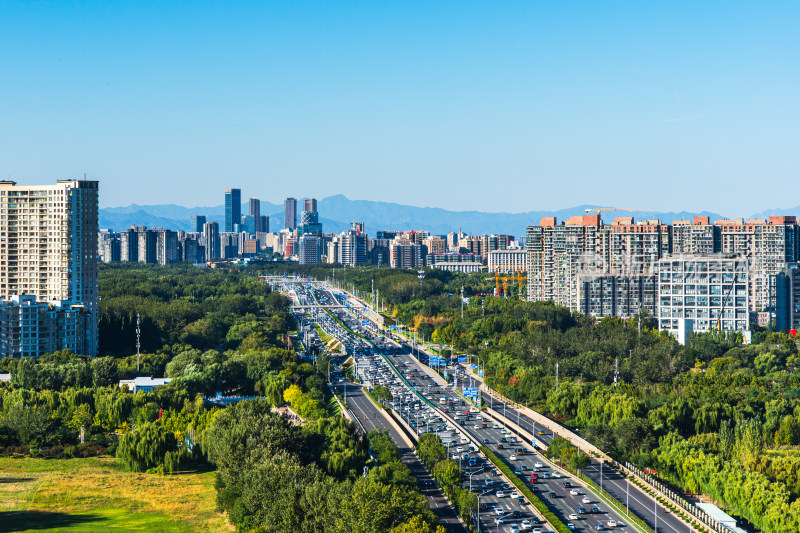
(564, 503)
(371, 418)
(614, 483)
(368, 414)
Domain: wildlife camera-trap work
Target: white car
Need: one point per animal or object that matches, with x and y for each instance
(556, 474)
(611, 523)
(512, 458)
(499, 511)
(586, 500)
(526, 524)
(574, 492)
(476, 426)
(514, 495)
(495, 426)
(573, 516)
(459, 449)
(500, 494)
(537, 464)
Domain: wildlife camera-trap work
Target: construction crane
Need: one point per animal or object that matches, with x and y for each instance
(506, 279)
(603, 209)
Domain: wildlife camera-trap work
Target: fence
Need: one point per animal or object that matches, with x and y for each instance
(678, 499)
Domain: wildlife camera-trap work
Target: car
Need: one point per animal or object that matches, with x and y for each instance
(586, 500)
(537, 464)
(476, 426)
(599, 527)
(516, 513)
(524, 468)
(536, 530)
(556, 474)
(552, 494)
(611, 523)
(541, 432)
(570, 526)
(514, 494)
(596, 510)
(499, 520)
(512, 458)
(499, 445)
(486, 441)
(573, 516)
(495, 426)
(488, 481)
(518, 472)
(499, 511)
(521, 500)
(514, 528)
(582, 509)
(526, 524)
(574, 492)
(459, 449)
(500, 494)
(567, 484)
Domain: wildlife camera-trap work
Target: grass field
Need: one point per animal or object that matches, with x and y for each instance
(96, 494)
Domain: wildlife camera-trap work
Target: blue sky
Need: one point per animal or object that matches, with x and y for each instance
(496, 106)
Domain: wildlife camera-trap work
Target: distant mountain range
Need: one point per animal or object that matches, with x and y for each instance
(336, 213)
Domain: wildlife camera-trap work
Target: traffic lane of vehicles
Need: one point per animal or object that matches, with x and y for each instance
(563, 503)
(371, 419)
(613, 483)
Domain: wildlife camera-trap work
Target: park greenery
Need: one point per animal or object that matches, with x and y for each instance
(213, 332)
(276, 476)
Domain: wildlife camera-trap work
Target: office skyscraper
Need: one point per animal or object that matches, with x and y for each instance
(197, 223)
(233, 208)
(310, 205)
(290, 213)
(48, 249)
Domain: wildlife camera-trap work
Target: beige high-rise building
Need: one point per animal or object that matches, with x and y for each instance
(48, 245)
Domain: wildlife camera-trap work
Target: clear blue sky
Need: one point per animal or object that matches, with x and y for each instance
(497, 106)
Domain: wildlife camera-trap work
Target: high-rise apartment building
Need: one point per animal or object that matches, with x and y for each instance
(352, 248)
(769, 246)
(309, 249)
(48, 247)
(406, 255)
(233, 208)
(211, 240)
(290, 213)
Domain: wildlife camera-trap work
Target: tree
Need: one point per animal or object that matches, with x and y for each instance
(104, 371)
(146, 447)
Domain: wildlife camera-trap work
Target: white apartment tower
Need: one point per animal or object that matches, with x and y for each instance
(48, 245)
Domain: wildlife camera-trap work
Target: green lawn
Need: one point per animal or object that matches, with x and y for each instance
(95, 494)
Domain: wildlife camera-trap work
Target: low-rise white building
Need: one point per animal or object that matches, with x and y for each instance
(143, 383)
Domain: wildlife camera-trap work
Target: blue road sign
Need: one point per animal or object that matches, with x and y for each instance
(474, 367)
(480, 373)
(462, 359)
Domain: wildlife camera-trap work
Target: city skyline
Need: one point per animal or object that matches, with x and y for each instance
(666, 106)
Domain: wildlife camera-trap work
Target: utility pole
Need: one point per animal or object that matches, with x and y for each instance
(616, 371)
(462, 301)
(138, 343)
